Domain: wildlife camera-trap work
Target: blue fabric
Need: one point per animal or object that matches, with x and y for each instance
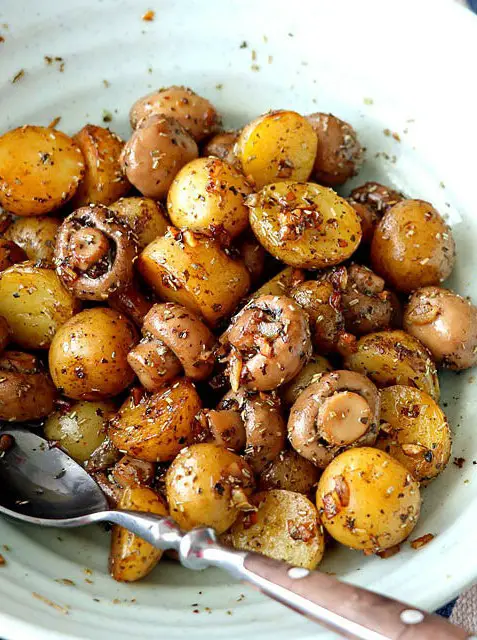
(447, 610)
(473, 5)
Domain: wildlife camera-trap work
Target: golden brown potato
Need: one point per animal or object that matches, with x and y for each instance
(41, 170)
(412, 246)
(196, 114)
(132, 558)
(285, 527)
(157, 426)
(311, 372)
(291, 472)
(103, 181)
(36, 236)
(208, 195)
(26, 391)
(304, 225)
(367, 500)
(35, 304)
(146, 218)
(446, 324)
(88, 354)
(81, 428)
(10, 254)
(207, 485)
(283, 284)
(339, 153)
(154, 153)
(414, 431)
(394, 357)
(195, 272)
(280, 145)
(222, 146)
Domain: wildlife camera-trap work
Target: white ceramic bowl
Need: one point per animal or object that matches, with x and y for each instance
(404, 66)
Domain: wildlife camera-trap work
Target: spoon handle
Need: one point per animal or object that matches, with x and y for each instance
(351, 611)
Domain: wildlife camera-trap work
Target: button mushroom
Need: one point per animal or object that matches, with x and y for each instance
(338, 411)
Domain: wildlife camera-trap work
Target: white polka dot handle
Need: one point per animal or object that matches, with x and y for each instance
(348, 610)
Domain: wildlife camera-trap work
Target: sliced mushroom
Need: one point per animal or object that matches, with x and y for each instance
(268, 343)
(366, 305)
(446, 324)
(130, 472)
(94, 253)
(174, 339)
(339, 411)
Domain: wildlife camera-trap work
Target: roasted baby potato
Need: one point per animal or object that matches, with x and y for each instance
(394, 357)
(280, 145)
(285, 527)
(291, 472)
(156, 427)
(196, 114)
(35, 304)
(10, 254)
(208, 195)
(282, 284)
(414, 431)
(88, 354)
(26, 390)
(41, 169)
(311, 372)
(195, 272)
(36, 236)
(146, 218)
(367, 500)
(103, 181)
(154, 153)
(81, 428)
(446, 324)
(132, 558)
(412, 246)
(208, 485)
(304, 225)
(339, 153)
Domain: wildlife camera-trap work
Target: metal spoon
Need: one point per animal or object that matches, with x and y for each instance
(42, 485)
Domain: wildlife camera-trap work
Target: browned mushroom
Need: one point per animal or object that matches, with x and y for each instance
(103, 457)
(10, 253)
(4, 333)
(222, 146)
(367, 306)
(446, 324)
(174, 339)
(338, 411)
(376, 196)
(268, 343)
(265, 429)
(224, 427)
(26, 390)
(369, 219)
(339, 153)
(94, 253)
(252, 254)
(131, 301)
(130, 472)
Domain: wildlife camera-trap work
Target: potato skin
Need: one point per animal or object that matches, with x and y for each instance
(367, 500)
(304, 225)
(195, 272)
(285, 527)
(282, 284)
(80, 429)
(35, 304)
(415, 431)
(208, 195)
(158, 426)
(132, 558)
(412, 246)
(36, 236)
(145, 216)
(313, 369)
(41, 170)
(207, 485)
(88, 354)
(394, 357)
(289, 471)
(103, 181)
(196, 114)
(339, 153)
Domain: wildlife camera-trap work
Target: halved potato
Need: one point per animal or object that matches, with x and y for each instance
(40, 170)
(36, 236)
(131, 558)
